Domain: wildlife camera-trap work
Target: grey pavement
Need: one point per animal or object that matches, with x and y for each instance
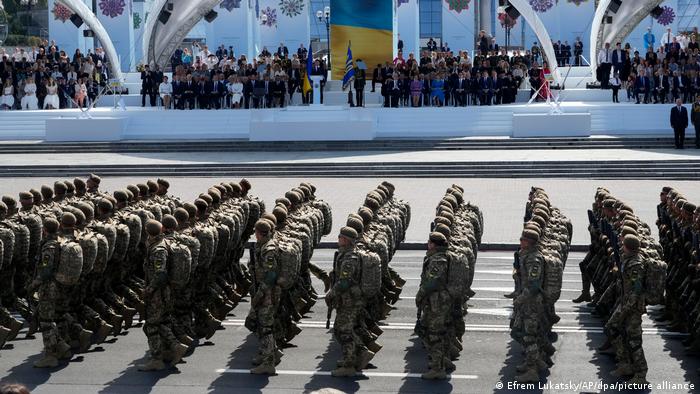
(502, 200)
(488, 360)
(359, 156)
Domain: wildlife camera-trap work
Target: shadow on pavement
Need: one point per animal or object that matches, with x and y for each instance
(416, 361)
(31, 377)
(241, 359)
(133, 381)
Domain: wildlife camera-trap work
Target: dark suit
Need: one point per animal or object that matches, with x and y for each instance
(679, 122)
(188, 95)
(641, 86)
(618, 59)
(178, 102)
(148, 88)
(461, 89)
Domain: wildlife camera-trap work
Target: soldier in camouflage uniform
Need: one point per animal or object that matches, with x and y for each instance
(11, 325)
(347, 299)
(266, 296)
(157, 298)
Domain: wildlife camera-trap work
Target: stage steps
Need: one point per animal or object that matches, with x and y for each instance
(386, 145)
(678, 170)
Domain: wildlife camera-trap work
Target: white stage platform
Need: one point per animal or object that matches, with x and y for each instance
(152, 124)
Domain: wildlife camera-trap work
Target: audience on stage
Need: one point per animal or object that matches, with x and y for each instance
(46, 77)
(663, 74)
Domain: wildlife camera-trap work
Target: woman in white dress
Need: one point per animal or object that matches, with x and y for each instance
(8, 95)
(29, 100)
(165, 90)
(235, 89)
(51, 99)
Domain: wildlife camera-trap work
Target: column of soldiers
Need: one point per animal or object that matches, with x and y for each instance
(78, 264)
(539, 269)
(625, 267)
(281, 269)
(679, 235)
(446, 278)
(363, 284)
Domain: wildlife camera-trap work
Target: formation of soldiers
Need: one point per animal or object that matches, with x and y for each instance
(538, 273)
(281, 268)
(446, 279)
(679, 235)
(79, 263)
(625, 266)
(364, 286)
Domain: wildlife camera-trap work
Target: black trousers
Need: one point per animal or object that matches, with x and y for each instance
(360, 97)
(697, 135)
(615, 90)
(679, 137)
(605, 75)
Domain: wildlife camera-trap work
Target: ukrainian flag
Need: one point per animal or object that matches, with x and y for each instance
(369, 24)
(349, 70)
(306, 86)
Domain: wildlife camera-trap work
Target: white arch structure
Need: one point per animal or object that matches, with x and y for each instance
(625, 20)
(537, 26)
(160, 40)
(89, 18)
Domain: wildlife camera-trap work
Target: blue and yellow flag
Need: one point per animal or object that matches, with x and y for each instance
(369, 24)
(349, 70)
(306, 85)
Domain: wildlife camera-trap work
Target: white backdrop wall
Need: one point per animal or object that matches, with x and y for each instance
(458, 28)
(63, 31)
(408, 26)
(565, 21)
(117, 18)
(288, 22)
(230, 28)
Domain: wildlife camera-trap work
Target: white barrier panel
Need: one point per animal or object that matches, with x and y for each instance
(313, 124)
(546, 125)
(95, 129)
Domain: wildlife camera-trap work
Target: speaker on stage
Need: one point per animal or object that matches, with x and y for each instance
(210, 16)
(164, 16)
(656, 12)
(512, 12)
(77, 20)
(503, 3)
(614, 6)
(608, 20)
(88, 33)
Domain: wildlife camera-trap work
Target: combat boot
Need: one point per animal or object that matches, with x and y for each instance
(449, 365)
(178, 351)
(374, 347)
(584, 297)
(511, 295)
(623, 369)
(264, 369)
(103, 332)
(152, 365)
(549, 349)
(33, 327)
(85, 340)
(63, 351)
(4, 334)
(15, 326)
(434, 374)
(116, 321)
(48, 361)
(344, 372)
(185, 340)
(212, 326)
(376, 330)
(528, 376)
(128, 316)
(363, 359)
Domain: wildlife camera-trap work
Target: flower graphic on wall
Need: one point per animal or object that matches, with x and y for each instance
(229, 5)
(577, 2)
(271, 14)
(667, 16)
(291, 8)
(506, 20)
(541, 5)
(457, 5)
(137, 20)
(61, 12)
(112, 8)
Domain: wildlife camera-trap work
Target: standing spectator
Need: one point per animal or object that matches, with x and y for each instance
(165, 90)
(679, 122)
(148, 86)
(359, 84)
(302, 52)
(695, 119)
(667, 40)
(186, 58)
(376, 76)
(282, 51)
(578, 51)
(604, 65)
(8, 95)
(649, 39)
(615, 84)
(619, 57)
(483, 43)
(432, 45)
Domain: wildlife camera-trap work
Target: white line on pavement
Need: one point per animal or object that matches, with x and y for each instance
(510, 280)
(360, 374)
